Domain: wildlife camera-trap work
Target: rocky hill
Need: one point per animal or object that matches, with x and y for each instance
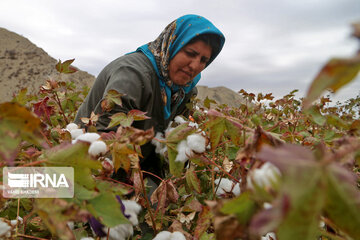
(24, 65)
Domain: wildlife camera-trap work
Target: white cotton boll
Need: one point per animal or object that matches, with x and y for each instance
(179, 120)
(70, 225)
(158, 145)
(269, 236)
(264, 177)
(133, 209)
(97, 148)
(267, 205)
(15, 221)
(75, 133)
(177, 236)
(163, 150)
(5, 229)
(163, 235)
(119, 232)
(71, 126)
(88, 137)
(184, 152)
(196, 142)
(193, 124)
(227, 186)
(168, 130)
(236, 189)
(87, 238)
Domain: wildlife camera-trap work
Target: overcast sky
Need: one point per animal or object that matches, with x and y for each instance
(271, 45)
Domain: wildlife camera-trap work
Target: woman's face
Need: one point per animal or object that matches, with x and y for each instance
(189, 62)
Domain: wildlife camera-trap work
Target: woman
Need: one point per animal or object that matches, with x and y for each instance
(158, 78)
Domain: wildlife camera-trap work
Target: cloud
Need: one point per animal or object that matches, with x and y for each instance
(271, 46)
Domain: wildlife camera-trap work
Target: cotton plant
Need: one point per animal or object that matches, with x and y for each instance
(97, 147)
(166, 235)
(130, 209)
(267, 176)
(225, 186)
(194, 143)
(6, 226)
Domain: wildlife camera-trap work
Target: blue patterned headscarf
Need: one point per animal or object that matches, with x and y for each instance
(175, 36)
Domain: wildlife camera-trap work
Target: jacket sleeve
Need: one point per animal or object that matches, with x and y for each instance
(130, 82)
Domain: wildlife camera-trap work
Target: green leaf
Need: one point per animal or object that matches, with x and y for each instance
(334, 75)
(243, 207)
(302, 194)
(192, 180)
(75, 156)
(111, 99)
(203, 223)
(316, 115)
(120, 119)
(217, 125)
(342, 200)
(16, 124)
(207, 102)
(106, 208)
(179, 133)
(82, 193)
(66, 67)
(137, 115)
(175, 167)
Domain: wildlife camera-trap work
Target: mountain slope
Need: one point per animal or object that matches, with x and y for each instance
(24, 65)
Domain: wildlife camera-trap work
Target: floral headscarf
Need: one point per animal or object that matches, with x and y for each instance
(175, 36)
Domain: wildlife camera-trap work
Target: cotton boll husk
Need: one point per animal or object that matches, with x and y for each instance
(119, 232)
(196, 142)
(71, 126)
(177, 236)
(184, 152)
(108, 161)
(75, 133)
(88, 137)
(163, 235)
(97, 148)
(132, 209)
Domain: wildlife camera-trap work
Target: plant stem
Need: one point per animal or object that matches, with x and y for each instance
(17, 217)
(147, 200)
(61, 110)
(26, 236)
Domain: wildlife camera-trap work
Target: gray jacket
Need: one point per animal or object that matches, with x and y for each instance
(134, 76)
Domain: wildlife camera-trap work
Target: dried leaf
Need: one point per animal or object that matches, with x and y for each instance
(334, 75)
